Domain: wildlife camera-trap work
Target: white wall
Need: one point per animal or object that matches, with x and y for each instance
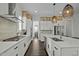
(75, 32)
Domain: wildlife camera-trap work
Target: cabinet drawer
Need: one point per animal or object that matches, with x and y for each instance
(56, 50)
(69, 52)
(11, 52)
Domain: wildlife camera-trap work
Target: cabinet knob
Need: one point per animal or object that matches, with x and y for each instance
(16, 54)
(16, 47)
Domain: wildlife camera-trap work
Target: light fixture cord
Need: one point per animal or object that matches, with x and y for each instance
(54, 8)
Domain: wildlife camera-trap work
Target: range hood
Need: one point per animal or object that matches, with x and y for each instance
(11, 13)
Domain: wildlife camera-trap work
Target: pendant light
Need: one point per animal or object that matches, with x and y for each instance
(68, 11)
(54, 18)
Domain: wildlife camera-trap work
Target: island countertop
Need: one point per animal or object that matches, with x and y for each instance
(67, 41)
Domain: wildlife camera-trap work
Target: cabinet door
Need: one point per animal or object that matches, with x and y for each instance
(21, 48)
(48, 46)
(69, 52)
(25, 44)
(3, 8)
(41, 25)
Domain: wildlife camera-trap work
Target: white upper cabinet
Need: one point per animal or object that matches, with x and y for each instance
(69, 52)
(3, 8)
(18, 10)
(45, 25)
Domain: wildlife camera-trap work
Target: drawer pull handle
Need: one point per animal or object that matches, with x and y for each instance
(24, 45)
(56, 48)
(48, 45)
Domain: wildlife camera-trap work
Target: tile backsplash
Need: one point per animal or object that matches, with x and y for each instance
(7, 29)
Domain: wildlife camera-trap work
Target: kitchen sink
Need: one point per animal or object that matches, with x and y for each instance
(14, 38)
(56, 39)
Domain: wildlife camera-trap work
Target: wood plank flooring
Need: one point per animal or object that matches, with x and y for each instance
(36, 49)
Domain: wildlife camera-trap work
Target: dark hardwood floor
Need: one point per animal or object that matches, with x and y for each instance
(36, 49)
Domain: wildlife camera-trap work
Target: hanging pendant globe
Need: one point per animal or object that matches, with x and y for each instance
(68, 11)
(54, 19)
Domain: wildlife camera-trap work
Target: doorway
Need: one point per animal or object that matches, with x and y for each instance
(35, 29)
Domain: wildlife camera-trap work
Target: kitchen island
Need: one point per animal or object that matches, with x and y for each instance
(66, 47)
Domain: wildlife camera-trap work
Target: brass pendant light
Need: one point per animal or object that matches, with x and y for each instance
(68, 11)
(54, 18)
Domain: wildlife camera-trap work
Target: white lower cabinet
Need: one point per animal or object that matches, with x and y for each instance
(69, 52)
(58, 51)
(21, 48)
(48, 46)
(25, 47)
(18, 49)
(53, 49)
(63, 51)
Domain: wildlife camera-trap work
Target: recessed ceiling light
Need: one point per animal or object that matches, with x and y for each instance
(60, 12)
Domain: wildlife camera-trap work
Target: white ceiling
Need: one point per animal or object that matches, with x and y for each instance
(42, 8)
(45, 9)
